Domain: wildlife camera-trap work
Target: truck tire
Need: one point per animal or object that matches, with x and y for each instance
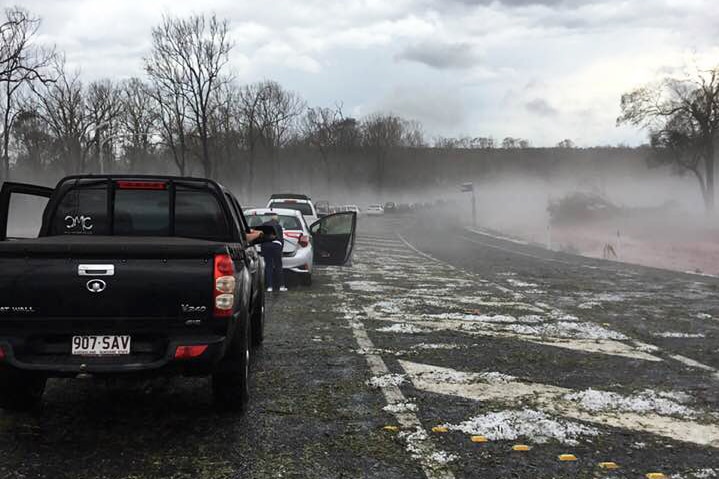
(257, 320)
(231, 380)
(20, 391)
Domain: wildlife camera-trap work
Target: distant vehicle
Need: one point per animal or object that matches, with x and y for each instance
(352, 208)
(295, 201)
(297, 254)
(404, 208)
(390, 207)
(375, 210)
(323, 208)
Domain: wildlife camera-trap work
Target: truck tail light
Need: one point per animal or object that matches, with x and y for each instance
(224, 290)
(304, 241)
(189, 352)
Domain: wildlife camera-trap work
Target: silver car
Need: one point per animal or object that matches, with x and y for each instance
(297, 253)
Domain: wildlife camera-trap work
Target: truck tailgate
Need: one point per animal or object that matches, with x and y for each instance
(159, 293)
(93, 277)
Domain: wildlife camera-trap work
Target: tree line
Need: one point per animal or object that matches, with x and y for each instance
(190, 115)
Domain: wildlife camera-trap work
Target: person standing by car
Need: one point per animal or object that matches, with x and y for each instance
(272, 252)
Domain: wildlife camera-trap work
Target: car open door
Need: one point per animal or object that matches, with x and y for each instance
(333, 238)
(22, 204)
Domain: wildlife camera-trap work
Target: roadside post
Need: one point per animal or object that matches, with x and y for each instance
(469, 188)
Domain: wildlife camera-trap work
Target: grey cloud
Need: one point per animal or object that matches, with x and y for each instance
(438, 109)
(441, 55)
(540, 107)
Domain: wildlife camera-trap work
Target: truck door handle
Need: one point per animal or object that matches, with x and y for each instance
(96, 270)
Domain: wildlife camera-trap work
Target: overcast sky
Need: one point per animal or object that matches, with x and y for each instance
(544, 70)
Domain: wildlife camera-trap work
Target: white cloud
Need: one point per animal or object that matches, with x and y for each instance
(479, 67)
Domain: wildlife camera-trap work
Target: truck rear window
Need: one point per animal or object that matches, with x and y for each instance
(303, 208)
(140, 212)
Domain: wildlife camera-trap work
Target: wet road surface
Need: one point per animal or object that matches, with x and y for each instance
(434, 355)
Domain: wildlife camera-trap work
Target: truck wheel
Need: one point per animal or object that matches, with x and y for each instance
(231, 380)
(20, 392)
(258, 320)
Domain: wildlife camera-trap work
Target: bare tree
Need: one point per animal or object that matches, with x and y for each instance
(21, 62)
(62, 106)
(171, 106)
(104, 106)
(189, 56)
(320, 128)
(381, 133)
(682, 116)
(268, 114)
(138, 121)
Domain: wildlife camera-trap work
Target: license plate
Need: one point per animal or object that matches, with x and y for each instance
(100, 345)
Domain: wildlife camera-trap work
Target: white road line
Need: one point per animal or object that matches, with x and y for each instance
(695, 364)
(520, 253)
(453, 268)
(505, 238)
(551, 399)
(682, 359)
(393, 395)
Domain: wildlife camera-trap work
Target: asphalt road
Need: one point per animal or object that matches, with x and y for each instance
(436, 335)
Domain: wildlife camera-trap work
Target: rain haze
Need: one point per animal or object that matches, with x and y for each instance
(382, 239)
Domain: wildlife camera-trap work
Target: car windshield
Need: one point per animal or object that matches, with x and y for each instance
(303, 208)
(287, 222)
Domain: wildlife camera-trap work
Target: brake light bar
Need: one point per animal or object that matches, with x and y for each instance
(141, 185)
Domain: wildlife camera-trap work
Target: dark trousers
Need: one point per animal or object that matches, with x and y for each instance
(272, 252)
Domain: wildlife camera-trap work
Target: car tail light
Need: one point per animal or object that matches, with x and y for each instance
(224, 290)
(2, 353)
(141, 185)
(304, 241)
(189, 352)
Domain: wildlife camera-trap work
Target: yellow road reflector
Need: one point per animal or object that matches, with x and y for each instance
(521, 447)
(479, 439)
(656, 475)
(391, 428)
(567, 457)
(440, 429)
(608, 465)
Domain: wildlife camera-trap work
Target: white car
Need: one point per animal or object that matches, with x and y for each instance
(374, 210)
(293, 201)
(352, 208)
(297, 253)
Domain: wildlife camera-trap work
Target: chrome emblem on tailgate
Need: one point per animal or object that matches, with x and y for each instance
(96, 286)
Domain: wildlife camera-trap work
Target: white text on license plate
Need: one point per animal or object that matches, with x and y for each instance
(100, 345)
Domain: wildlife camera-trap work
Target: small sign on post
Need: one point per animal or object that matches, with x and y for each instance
(469, 188)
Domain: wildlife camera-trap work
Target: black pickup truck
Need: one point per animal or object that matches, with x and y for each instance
(132, 275)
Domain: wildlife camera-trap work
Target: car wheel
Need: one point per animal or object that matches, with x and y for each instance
(306, 279)
(231, 380)
(20, 391)
(258, 319)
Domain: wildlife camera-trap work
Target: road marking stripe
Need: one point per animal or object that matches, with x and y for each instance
(453, 268)
(551, 399)
(695, 364)
(682, 359)
(393, 395)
